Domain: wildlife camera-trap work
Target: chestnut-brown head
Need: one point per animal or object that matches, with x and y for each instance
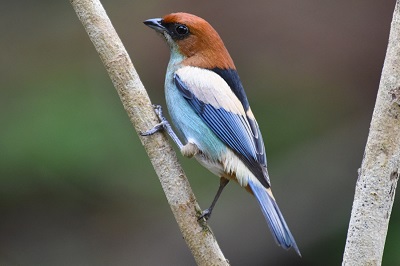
(196, 40)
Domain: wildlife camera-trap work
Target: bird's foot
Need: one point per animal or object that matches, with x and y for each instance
(206, 214)
(163, 125)
(155, 129)
(160, 126)
(159, 112)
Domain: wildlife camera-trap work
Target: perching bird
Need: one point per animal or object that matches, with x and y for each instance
(209, 108)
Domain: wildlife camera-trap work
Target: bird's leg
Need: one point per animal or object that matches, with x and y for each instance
(206, 214)
(163, 125)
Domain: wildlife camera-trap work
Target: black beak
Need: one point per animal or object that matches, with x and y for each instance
(155, 24)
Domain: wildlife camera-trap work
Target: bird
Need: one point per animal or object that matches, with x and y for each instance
(210, 111)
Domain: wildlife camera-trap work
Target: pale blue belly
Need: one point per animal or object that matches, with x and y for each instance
(190, 126)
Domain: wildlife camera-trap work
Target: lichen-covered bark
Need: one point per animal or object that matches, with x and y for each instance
(379, 173)
(136, 102)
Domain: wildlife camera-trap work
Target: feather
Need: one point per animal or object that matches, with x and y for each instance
(274, 217)
(233, 80)
(213, 100)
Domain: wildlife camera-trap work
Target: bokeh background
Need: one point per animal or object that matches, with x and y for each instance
(76, 187)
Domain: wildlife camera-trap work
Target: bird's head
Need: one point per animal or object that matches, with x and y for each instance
(194, 38)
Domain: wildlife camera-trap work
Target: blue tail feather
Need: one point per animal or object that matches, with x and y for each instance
(274, 217)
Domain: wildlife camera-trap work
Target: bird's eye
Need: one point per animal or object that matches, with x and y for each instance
(182, 29)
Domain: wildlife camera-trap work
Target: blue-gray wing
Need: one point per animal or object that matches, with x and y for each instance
(214, 101)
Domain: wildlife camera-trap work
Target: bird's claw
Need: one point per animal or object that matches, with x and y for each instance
(163, 125)
(158, 110)
(206, 214)
(158, 127)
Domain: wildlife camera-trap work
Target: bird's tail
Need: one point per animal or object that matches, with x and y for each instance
(274, 217)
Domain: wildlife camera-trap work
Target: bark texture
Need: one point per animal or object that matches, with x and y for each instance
(136, 102)
(379, 173)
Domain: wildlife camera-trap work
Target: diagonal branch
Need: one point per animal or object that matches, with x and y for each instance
(377, 181)
(136, 102)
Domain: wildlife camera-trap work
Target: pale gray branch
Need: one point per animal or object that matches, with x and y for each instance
(135, 100)
(377, 180)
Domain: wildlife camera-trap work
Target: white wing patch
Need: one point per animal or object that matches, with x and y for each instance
(210, 88)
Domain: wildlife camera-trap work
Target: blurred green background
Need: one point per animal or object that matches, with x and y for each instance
(76, 187)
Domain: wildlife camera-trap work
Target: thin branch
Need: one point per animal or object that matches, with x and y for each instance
(377, 181)
(136, 102)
